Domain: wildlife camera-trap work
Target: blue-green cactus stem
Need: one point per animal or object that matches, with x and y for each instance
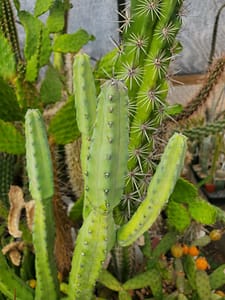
(89, 256)
(40, 174)
(107, 158)
(159, 190)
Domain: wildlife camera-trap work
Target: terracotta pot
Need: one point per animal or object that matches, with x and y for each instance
(210, 187)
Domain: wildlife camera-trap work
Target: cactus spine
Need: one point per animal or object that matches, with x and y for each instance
(40, 175)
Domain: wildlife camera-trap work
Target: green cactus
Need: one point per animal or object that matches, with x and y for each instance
(91, 246)
(40, 174)
(180, 275)
(203, 285)
(108, 145)
(8, 27)
(155, 200)
(85, 101)
(217, 277)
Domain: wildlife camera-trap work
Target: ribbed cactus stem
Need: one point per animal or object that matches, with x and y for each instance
(85, 101)
(89, 256)
(136, 34)
(8, 27)
(159, 190)
(107, 158)
(153, 88)
(40, 174)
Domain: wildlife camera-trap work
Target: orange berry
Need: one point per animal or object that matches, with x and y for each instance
(185, 249)
(201, 263)
(215, 235)
(193, 251)
(177, 250)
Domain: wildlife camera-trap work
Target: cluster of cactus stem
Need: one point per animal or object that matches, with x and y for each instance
(122, 192)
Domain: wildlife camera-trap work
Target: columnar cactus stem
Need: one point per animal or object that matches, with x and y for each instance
(153, 89)
(85, 101)
(90, 254)
(159, 190)
(7, 25)
(40, 175)
(107, 159)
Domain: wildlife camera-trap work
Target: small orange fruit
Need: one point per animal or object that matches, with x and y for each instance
(185, 249)
(201, 263)
(193, 251)
(215, 235)
(177, 250)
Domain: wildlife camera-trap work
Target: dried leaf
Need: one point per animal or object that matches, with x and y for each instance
(16, 205)
(30, 207)
(13, 249)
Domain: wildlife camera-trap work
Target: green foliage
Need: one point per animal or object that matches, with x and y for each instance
(41, 6)
(51, 87)
(185, 205)
(178, 216)
(11, 140)
(108, 280)
(11, 284)
(71, 42)
(63, 126)
(37, 48)
(55, 21)
(203, 212)
(7, 59)
(9, 108)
